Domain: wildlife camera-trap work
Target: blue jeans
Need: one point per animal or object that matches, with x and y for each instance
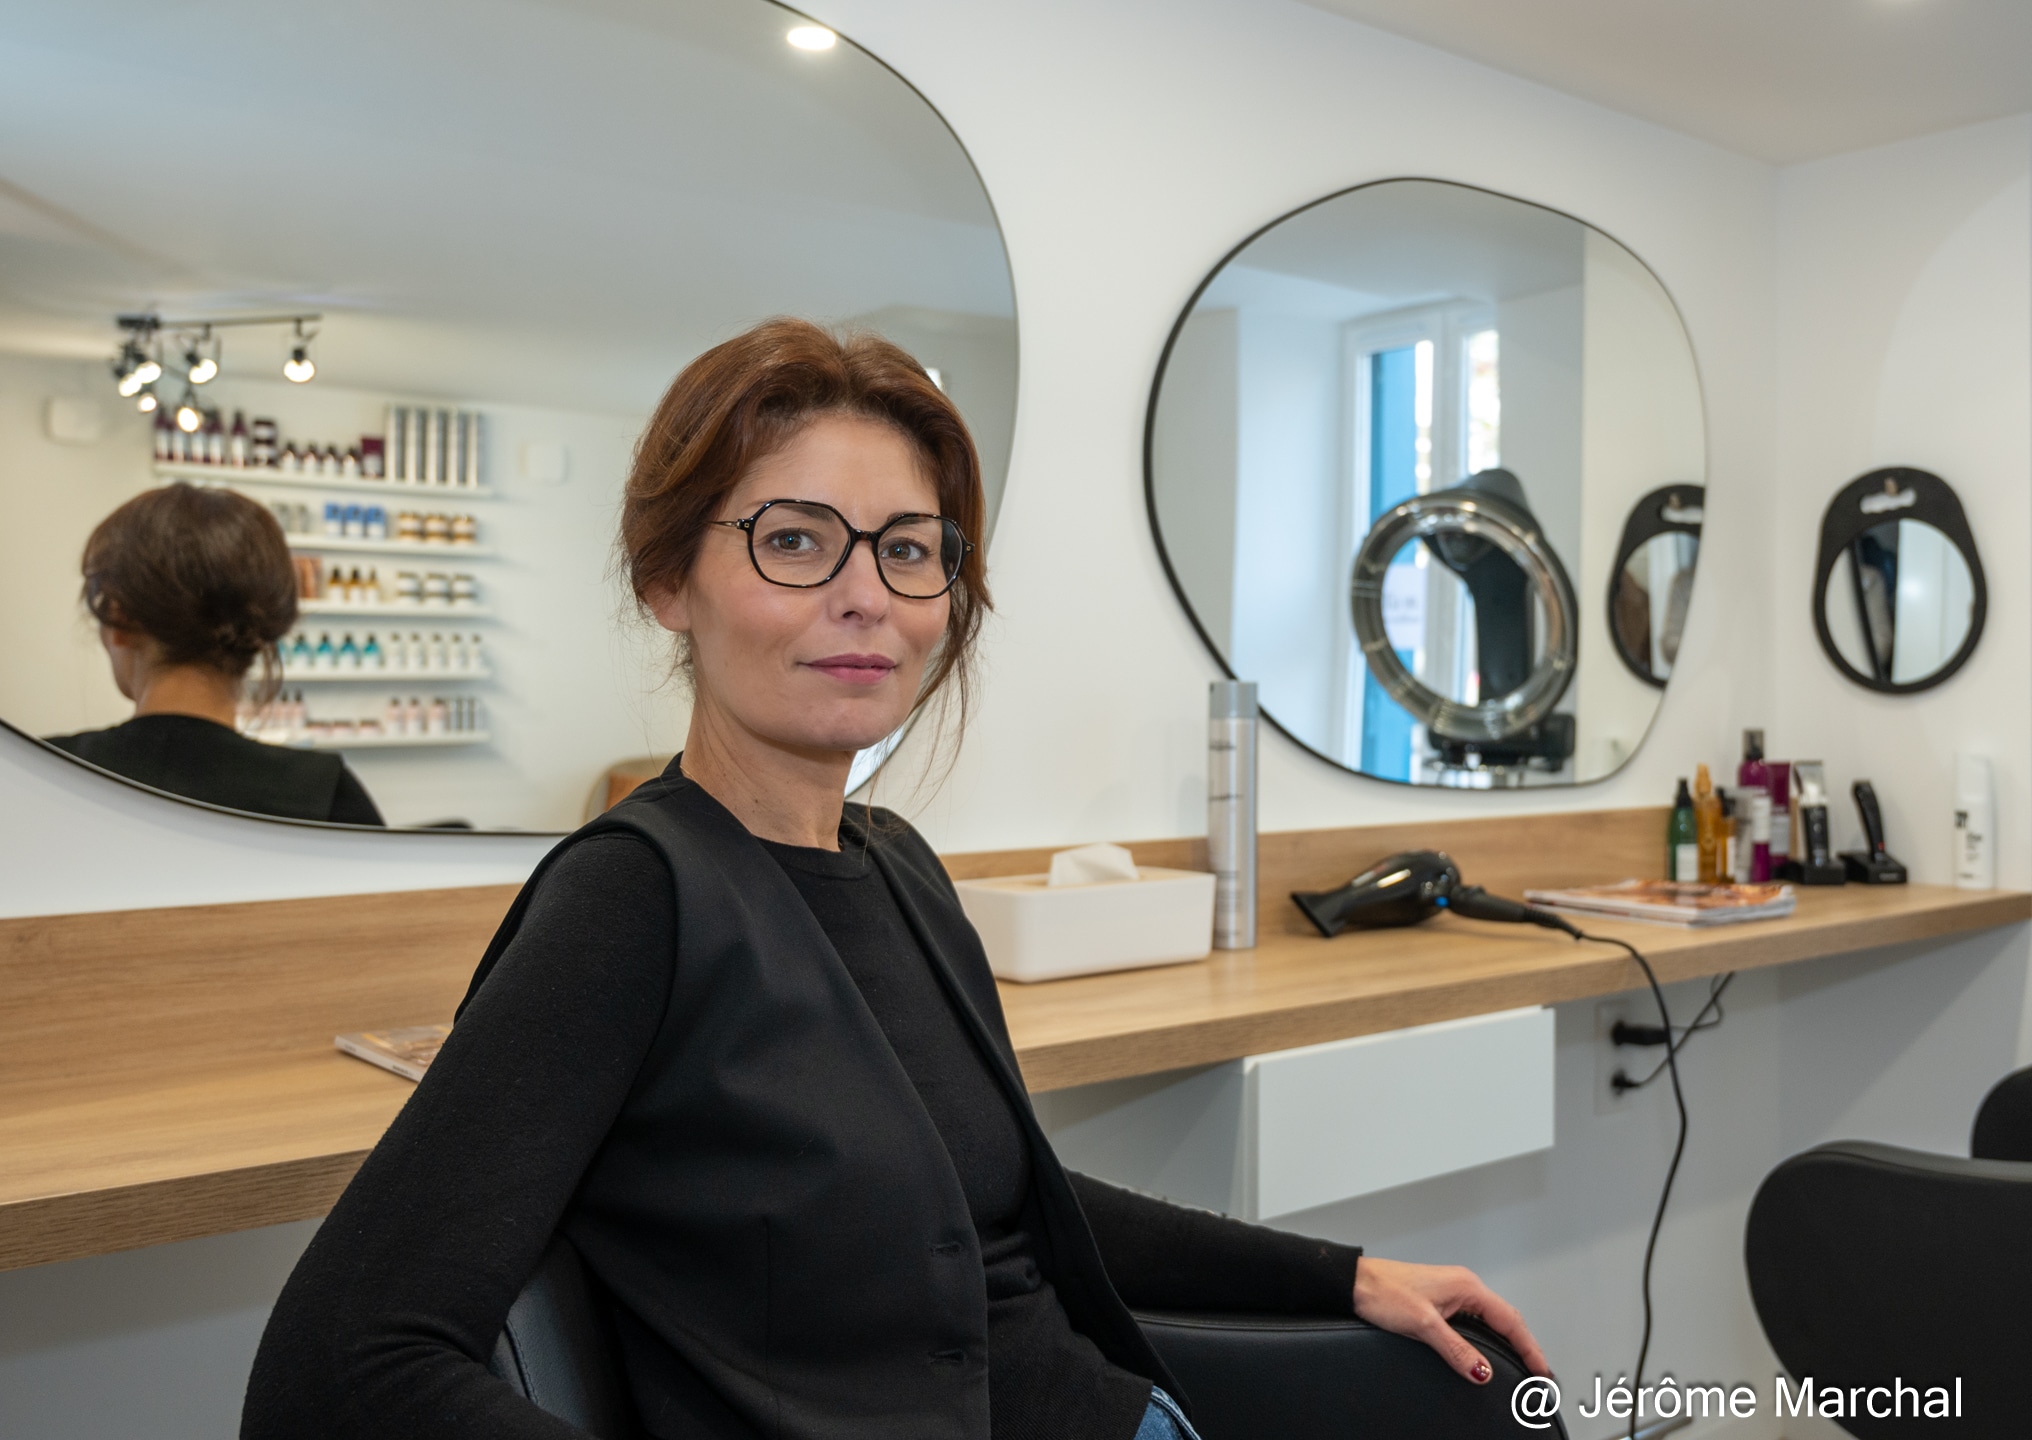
(1164, 1421)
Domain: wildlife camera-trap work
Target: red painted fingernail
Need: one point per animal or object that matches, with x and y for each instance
(1480, 1372)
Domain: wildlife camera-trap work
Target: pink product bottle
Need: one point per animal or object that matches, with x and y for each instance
(1781, 814)
(1753, 778)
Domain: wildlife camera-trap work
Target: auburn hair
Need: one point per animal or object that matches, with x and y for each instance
(204, 573)
(746, 398)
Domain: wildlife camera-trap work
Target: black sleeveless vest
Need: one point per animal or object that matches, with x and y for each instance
(773, 1210)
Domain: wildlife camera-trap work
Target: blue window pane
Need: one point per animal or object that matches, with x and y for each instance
(1393, 479)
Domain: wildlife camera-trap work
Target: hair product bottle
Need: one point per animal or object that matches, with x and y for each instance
(1682, 839)
(1707, 826)
(1231, 811)
(1753, 779)
(1975, 821)
(1781, 814)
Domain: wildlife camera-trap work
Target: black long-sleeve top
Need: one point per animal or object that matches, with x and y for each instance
(377, 1331)
(203, 760)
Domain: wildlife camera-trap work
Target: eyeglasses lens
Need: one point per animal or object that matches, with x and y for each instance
(797, 544)
(919, 555)
(801, 545)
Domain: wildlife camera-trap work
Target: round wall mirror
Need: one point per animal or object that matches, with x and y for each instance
(1898, 598)
(1516, 378)
(496, 232)
(1651, 584)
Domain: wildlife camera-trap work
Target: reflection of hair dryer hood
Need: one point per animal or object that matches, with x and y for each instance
(1504, 648)
(1517, 584)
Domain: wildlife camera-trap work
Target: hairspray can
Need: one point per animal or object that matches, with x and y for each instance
(1231, 811)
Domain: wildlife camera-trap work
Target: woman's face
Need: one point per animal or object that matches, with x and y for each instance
(832, 668)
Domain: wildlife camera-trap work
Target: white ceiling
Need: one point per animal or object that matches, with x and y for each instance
(555, 201)
(1781, 80)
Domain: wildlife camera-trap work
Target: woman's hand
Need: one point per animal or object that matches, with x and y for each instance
(1416, 1301)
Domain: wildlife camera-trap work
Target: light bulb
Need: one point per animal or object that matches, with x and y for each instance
(130, 384)
(189, 417)
(812, 37)
(147, 403)
(147, 372)
(298, 367)
(201, 367)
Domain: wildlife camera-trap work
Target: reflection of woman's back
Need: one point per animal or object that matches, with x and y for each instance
(190, 587)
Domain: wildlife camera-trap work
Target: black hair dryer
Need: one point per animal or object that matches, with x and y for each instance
(1409, 887)
(1400, 889)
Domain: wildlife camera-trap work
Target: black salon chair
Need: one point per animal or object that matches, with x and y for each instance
(1871, 1264)
(1295, 1379)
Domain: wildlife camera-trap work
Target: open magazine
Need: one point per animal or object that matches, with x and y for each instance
(1669, 902)
(407, 1050)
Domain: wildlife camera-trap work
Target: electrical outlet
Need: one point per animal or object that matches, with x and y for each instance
(1611, 1057)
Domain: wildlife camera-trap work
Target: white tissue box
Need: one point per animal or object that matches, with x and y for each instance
(1036, 931)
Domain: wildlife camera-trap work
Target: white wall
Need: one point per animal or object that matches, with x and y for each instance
(1127, 146)
(1905, 310)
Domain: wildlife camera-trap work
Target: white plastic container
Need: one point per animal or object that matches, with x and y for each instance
(1036, 931)
(1975, 825)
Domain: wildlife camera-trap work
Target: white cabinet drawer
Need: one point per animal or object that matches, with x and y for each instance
(1272, 1134)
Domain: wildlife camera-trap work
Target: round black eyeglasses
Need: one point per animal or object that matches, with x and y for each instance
(803, 543)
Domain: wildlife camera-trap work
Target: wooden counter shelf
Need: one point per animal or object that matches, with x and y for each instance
(168, 1074)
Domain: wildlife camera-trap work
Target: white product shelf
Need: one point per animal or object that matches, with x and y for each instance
(389, 742)
(412, 679)
(264, 475)
(327, 544)
(444, 614)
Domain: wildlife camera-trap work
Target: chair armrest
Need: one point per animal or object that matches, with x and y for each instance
(1325, 1378)
(557, 1349)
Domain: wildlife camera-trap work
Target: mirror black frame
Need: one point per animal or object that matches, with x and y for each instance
(1648, 519)
(1934, 503)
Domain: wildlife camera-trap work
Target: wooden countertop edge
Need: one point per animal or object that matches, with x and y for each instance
(1594, 970)
(71, 1225)
(50, 1228)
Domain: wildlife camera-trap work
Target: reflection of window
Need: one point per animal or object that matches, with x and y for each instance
(1483, 403)
(1426, 403)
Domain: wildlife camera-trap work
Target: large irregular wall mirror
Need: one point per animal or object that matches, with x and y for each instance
(474, 247)
(1404, 445)
(1898, 592)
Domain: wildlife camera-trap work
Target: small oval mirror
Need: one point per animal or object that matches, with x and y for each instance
(1651, 584)
(1899, 599)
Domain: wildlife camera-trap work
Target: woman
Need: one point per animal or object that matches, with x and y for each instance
(740, 1045)
(190, 587)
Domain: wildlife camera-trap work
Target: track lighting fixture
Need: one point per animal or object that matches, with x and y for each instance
(139, 362)
(147, 402)
(198, 366)
(188, 416)
(298, 368)
(134, 369)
